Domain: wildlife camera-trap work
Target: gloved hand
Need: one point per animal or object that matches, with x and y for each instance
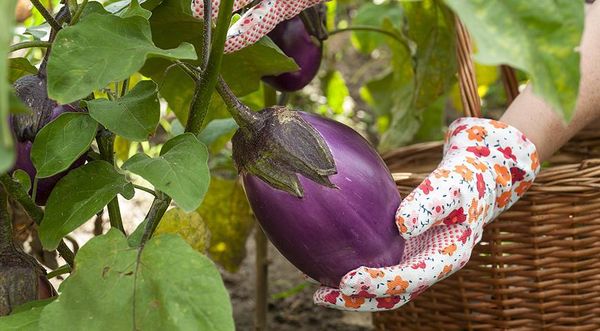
(487, 166)
(256, 22)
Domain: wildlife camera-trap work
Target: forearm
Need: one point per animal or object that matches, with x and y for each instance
(536, 119)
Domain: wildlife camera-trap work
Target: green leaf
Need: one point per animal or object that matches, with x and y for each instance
(181, 170)
(227, 214)
(217, 133)
(336, 91)
(165, 286)
(23, 321)
(61, 142)
(423, 69)
(134, 116)
(19, 67)
(102, 49)
(80, 195)
(371, 14)
(7, 151)
(538, 37)
(22, 178)
(188, 226)
(135, 9)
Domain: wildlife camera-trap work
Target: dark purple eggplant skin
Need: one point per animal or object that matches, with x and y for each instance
(23, 162)
(295, 41)
(329, 231)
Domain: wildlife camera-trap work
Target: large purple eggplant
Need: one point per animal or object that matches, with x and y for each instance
(296, 42)
(330, 231)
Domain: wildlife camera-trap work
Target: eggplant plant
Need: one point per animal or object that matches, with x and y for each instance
(102, 94)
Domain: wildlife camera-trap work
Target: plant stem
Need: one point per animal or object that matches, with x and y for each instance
(369, 29)
(145, 189)
(65, 269)
(47, 16)
(105, 141)
(206, 85)
(207, 33)
(78, 13)
(6, 237)
(242, 115)
(155, 214)
(125, 87)
(18, 193)
(29, 44)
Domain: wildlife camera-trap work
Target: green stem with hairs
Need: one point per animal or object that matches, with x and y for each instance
(208, 80)
(18, 193)
(242, 114)
(47, 16)
(78, 13)
(105, 141)
(29, 44)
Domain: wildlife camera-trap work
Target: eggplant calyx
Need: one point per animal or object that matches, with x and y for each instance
(281, 147)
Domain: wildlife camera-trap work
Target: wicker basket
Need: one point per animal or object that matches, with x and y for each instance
(538, 265)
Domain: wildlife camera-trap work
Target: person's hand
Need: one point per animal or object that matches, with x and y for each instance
(487, 166)
(257, 21)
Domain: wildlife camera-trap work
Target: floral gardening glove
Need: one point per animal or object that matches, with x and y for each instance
(487, 166)
(256, 22)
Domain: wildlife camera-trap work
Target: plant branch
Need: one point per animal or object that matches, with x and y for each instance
(367, 28)
(78, 13)
(155, 214)
(145, 189)
(47, 16)
(105, 141)
(206, 85)
(207, 33)
(29, 44)
(18, 193)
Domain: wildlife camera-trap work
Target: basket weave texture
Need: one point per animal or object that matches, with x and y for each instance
(537, 266)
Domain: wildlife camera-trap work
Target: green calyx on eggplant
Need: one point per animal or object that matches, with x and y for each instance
(300, 38)
(22, 279)
(279, 146)
(32, 91)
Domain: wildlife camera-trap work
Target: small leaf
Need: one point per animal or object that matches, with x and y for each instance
(61, 142)
(217, 133)
(188, 226)
(227, 214)
(539, 37)
(78, 197)
(165, 286)
(19, 67)
(22, 178)
(102, 49)
(134, 116)
(135, 9)
(181, 170)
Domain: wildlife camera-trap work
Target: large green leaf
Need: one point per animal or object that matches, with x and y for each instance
(101, 49)
(61, 142)
(539, 37)
(227, 214)
(165, 286)
(181, 170)
(134, 116)
(79, 196)
(22, 321)
(7, 153)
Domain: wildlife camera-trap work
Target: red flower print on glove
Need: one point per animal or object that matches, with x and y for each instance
(486, 168)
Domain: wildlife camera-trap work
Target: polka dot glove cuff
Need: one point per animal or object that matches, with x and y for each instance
(487, 166)
(256, 22)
